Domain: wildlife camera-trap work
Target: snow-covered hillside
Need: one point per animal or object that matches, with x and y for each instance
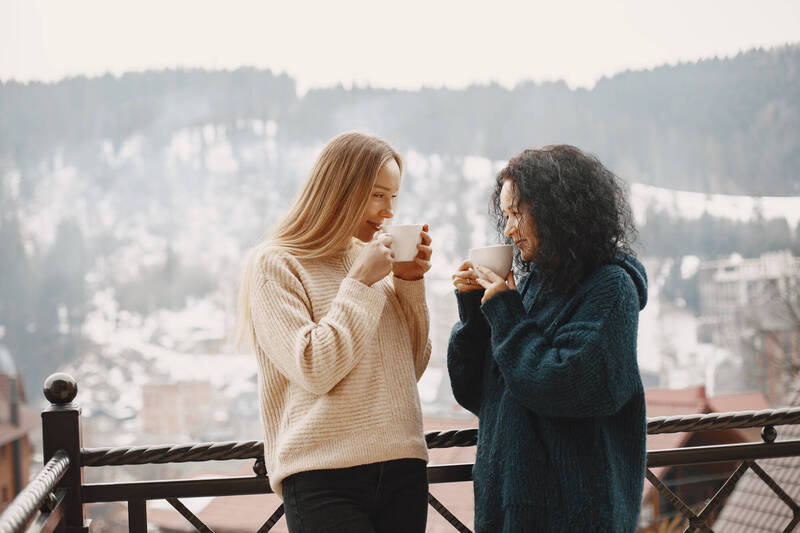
(207, 195)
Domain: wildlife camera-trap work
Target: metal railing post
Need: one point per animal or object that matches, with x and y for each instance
(61, 430)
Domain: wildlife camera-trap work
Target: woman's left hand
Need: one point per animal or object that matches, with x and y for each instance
(414, 270)
(494, 283)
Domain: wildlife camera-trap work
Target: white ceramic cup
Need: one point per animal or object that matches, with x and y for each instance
(405, 238)
(496, 258)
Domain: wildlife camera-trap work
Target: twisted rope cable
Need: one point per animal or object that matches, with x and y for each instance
(714, 421)
(27, 503)
(222, 451)
(172, 453)
(451, 438)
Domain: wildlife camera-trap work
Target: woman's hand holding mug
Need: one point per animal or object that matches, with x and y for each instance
(494, 283)
(416, 268)
(465, 279)
(472, 278)
(374, 262)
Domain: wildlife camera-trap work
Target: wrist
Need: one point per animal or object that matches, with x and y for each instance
(404, 278)
(359, 279)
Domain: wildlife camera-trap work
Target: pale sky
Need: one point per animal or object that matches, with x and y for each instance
(405, 44)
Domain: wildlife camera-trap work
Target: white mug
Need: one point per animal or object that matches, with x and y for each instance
(405, 238)
(496, 258)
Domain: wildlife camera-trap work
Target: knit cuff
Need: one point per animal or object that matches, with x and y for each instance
(503, 311)
(469, 305)
(412, 292)
(369, 297)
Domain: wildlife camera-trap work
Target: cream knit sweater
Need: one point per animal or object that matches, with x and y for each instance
(338, 365)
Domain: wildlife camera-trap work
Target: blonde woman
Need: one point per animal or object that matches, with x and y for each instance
(341, 344)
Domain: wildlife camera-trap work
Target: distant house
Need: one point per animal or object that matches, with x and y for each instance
(16, 422)
(727, 285)
(694, 484)
(753, 305)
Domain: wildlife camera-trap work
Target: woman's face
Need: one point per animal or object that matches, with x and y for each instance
(381, 203)
(519, 222)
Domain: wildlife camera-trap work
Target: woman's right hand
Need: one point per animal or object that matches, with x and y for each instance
(374, 262)
(464, 279)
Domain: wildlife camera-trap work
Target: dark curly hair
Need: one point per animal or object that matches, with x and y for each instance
(579, 210)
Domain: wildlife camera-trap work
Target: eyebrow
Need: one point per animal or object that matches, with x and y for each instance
(380, 187)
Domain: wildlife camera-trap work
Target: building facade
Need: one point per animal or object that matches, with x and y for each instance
(752, 308)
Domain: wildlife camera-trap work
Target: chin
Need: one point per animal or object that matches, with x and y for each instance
(365, 235)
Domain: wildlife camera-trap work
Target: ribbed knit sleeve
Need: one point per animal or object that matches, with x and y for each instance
(314, 354)
(466, 351)
(586, 367)
(411, 295)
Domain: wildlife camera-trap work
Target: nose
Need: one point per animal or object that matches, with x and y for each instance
(510, 228)
(388, 210)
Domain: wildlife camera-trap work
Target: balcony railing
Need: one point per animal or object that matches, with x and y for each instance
(56, 499)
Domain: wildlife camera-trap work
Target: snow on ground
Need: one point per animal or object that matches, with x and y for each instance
(174, 345)
(692, 205)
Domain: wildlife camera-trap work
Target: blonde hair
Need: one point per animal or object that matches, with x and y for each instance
(321, 221)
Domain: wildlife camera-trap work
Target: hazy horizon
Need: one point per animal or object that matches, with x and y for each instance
(356, 43)
(351, 85)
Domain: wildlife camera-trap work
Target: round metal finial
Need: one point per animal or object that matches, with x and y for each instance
(259, 468)
(769, 433)
(60, 388)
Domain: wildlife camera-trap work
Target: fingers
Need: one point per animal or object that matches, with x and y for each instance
(466, 265)
(425, 251)
(464, 281)
(384, 238)
(484, 283)
(488, 275)
(425, 236)
(423, 264)
(384, 243)
(465, 287)
(494, 283)
(424, 247)
(465, 275)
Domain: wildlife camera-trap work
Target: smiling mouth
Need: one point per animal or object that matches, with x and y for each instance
(376, 227)
(519, 242)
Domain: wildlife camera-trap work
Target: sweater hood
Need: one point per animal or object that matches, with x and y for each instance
(637, 273)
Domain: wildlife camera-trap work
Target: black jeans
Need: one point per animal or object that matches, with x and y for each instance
(386, 497)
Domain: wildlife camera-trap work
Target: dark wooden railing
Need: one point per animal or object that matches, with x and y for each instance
(55, 500)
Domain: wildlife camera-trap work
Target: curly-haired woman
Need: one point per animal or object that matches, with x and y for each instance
(550, 369)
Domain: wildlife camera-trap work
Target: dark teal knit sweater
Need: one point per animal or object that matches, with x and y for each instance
(556, 388)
